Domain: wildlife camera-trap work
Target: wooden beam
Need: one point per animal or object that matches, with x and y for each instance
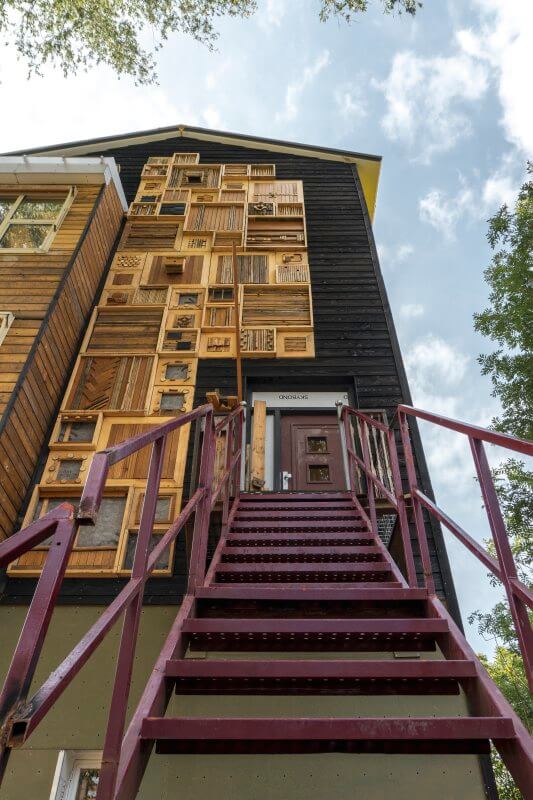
(237, 325)
(258, 445)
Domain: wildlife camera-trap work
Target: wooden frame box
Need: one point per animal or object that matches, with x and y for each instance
(76, 430)
(66, 467)
(86, 560)
(133, 470)
(176, 370)
(295, 343)
(217, 344)
(116, 383)
(171, 400)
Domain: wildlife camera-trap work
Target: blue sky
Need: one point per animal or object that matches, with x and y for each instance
(444, 98)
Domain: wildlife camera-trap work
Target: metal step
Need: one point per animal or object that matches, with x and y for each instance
(318, 677)
(309, 512)
(286, 735)
(310, 593)
(308, 572)
(273, 523)
(272, 555)
(300, 539)
(286, 498)
(352, 635)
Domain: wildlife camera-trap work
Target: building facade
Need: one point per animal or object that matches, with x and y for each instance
(134, 317)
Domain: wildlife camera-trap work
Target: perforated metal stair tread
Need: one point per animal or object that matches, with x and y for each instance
(310, 572)
(307, 735)
(300, 539)
(291, 554)
(307, 593)
(273, 524)
(314, 634)
(318, 677)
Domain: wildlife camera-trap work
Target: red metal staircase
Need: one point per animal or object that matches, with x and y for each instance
(292, 573)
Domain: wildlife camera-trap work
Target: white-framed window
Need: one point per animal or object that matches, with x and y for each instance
(6, 321)
(28, 222)
(76, 775)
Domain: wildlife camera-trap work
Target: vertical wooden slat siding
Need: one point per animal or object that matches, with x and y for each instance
(62, 282)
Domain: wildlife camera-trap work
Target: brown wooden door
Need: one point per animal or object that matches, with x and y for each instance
(311, 452)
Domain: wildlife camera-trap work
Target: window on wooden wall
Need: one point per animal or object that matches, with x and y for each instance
(6, 321)
(29, 222)
(76, 775)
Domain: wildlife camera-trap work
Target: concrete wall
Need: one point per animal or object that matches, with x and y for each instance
(78, 722)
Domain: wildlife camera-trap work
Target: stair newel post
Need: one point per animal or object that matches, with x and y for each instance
(402, 511)
(197, 568)
(369, 483)
(506, 560)
(349, 443)
(417, 508)
(226, 489)
(130, 629)
(241, 444)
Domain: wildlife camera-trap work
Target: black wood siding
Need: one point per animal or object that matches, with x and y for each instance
(355, 342)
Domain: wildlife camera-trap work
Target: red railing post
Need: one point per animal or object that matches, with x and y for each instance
(369, 484)
(402, 511)
(197, 567)
(24, 662)
(130, 628)
(226, 491)
(350, 444)
(518, 609)
(417, 508)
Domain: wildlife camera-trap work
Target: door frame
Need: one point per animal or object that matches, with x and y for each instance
(346, 385)
(277, 412)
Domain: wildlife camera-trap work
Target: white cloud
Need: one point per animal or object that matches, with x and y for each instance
(412, 310)
(503, 184)
(433, 362)
(350, 102)
(426, 100)
(390, 257)
(443, 212)
(505, 42)
(475, 201)
(403, 252)
(295, 90)
(271, 14)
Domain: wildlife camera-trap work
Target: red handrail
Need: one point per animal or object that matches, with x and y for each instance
(519, 596)
(18, 716)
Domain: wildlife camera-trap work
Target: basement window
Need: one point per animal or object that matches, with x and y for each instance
(76, 776)
(29, 222)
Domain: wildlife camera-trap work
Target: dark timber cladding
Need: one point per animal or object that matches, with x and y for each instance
(353, 329)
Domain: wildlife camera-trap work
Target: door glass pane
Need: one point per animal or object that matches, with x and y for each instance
(5, 205)
(87, 784)
(38, 209)
(317, 444)
(319, 473)
(28, 237)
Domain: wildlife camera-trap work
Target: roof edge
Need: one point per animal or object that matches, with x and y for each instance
(184, 130)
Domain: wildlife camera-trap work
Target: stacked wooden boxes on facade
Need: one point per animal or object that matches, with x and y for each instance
(168, 301)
